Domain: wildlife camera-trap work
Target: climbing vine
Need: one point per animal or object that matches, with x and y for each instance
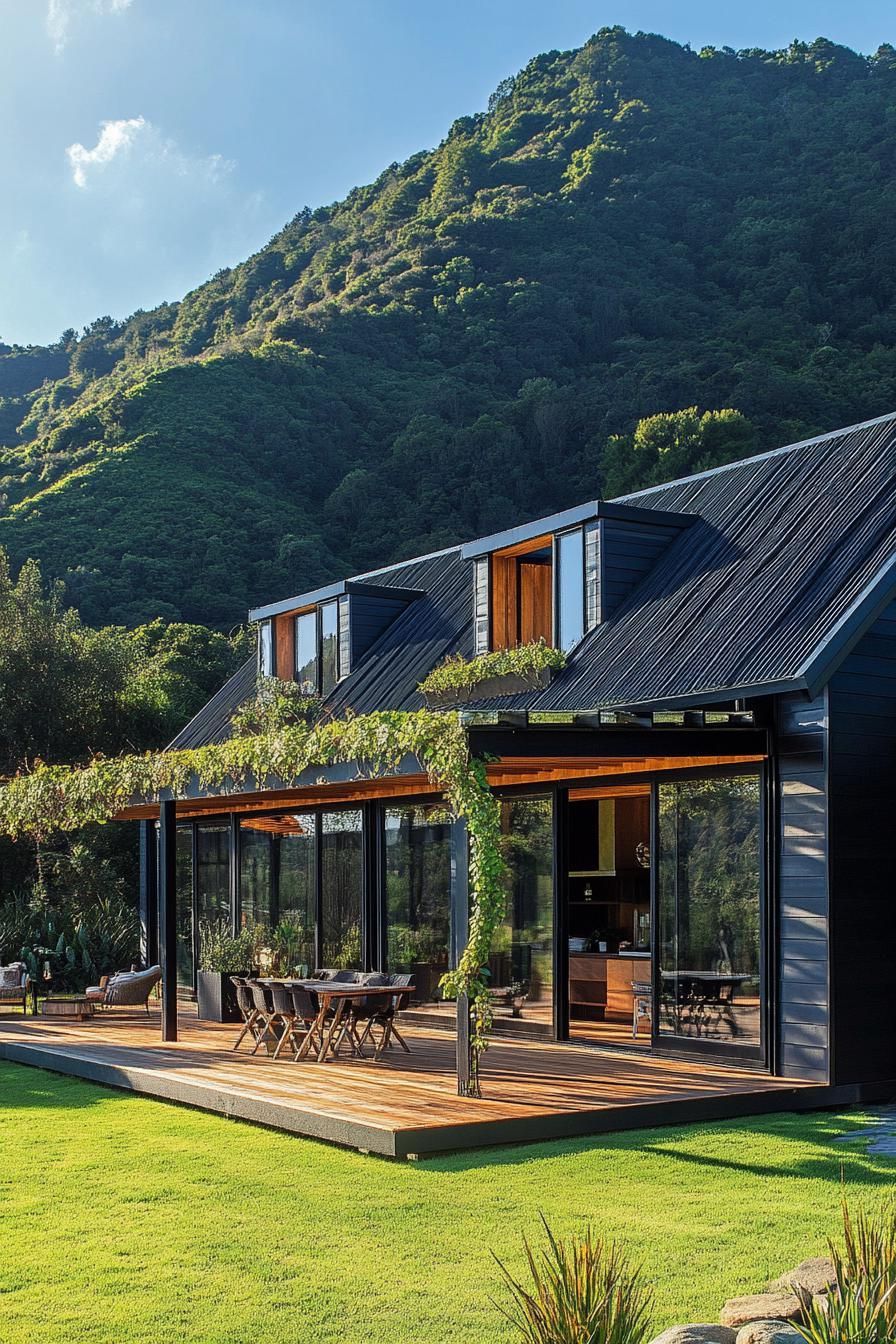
(59, 798)
(463, 675)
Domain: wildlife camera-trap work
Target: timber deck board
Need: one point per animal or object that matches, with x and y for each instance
(404, 1104)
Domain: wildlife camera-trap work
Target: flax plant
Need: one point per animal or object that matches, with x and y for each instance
(583, 1291)
(861, 1308)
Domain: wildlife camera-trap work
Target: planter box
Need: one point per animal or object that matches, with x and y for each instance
(491, 688)
(216, 996)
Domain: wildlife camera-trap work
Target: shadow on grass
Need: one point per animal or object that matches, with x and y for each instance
(28, 1086)
(819, 1130)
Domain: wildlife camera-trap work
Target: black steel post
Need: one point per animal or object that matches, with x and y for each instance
(168, 917)
(561, 914)
(233, 849)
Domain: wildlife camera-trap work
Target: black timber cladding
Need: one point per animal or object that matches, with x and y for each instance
(862, 806)
(803, 927)
(628, 552)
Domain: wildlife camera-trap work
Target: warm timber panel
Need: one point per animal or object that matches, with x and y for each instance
(503, 774)
(536, 604)
(285, 646)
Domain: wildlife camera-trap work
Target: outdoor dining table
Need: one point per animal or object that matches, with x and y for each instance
(340, 992)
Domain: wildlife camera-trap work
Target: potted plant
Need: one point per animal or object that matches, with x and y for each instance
(221, 955)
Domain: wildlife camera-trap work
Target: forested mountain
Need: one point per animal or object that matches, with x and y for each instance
(631, 228)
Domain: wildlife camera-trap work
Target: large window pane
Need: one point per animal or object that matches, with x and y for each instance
(306, 652)
(418, 895)
(184, 905)
(255, 872)
(340, 859)
(709, 867)
(213, 873)
(329, 647)
(570, 588)
(297, 887)
(522, 951)
(266, 649)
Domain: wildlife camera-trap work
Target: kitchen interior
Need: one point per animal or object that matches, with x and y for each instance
(608, 894)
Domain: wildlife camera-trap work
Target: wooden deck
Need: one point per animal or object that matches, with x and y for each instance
(404, 1105)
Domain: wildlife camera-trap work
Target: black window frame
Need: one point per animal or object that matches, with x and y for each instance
(341, 646)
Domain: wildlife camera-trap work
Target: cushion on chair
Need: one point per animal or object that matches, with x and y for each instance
(12, 976)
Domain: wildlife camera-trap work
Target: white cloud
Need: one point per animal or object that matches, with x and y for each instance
(61, 13)
(116, 137)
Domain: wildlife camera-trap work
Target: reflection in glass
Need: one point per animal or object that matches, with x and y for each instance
(213, 873)
(570, 588)
(266, 649)
(297, 886)
(184, 900)
(306, 652)
(709, 891)
(521, 964)
(418, 895)
(329, 647)
(340, 859)
(255, 872)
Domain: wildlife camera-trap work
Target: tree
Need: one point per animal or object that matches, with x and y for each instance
(663, 447)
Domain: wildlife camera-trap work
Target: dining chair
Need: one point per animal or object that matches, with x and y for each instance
(284, 1015)
(383, 1016)
(264, 1004)
(306, 1015)
(246, 1005)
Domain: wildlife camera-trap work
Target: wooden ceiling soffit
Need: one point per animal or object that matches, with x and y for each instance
(501, 774)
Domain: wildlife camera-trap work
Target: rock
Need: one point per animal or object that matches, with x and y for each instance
(815, 1275)
(778, 1306)
(768, 1332)
(697, 1334)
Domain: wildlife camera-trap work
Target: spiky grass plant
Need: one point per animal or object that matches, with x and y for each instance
(583, 1291)
(861, 1308)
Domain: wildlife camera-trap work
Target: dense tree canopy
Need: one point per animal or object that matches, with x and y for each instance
(631, 229)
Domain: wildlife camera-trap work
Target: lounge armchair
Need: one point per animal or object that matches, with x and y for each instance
(14, 985)
(125, 989)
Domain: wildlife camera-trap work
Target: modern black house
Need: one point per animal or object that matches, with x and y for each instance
(694, 810)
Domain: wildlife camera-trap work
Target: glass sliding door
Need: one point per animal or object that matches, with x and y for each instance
(418, 895)
(341, 883)
(709, 908)
(184, 906)
(521, 964)
(297, 887)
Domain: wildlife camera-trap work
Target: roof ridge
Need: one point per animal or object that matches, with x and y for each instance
(757, 457)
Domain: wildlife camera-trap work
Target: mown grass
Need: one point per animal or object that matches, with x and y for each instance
(124, 1219)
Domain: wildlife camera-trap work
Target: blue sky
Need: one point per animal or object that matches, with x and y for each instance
(146, 143)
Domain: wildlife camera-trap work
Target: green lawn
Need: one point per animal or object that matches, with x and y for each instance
(124, 1219)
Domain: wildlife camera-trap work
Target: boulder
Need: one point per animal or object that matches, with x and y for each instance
(777, 1306)
(769, 1332)
(816, 1276)
(697, 1334)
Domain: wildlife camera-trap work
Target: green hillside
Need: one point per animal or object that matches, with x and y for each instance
(631, 228)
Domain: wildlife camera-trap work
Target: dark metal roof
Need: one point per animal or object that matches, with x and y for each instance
(212, 723)
(439, 623)
(790, 556)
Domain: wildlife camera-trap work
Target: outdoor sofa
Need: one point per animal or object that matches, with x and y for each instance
(14, 985)
(125, 989)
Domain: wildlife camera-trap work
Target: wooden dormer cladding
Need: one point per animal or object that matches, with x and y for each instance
(521, 602)
(285, 646)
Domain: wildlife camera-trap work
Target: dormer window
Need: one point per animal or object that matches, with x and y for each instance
(317, 638)
(532, 591)
(558, 578)
(318, 663)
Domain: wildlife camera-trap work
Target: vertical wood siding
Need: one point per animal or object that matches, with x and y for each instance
(803, 1025)
(862, 704)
